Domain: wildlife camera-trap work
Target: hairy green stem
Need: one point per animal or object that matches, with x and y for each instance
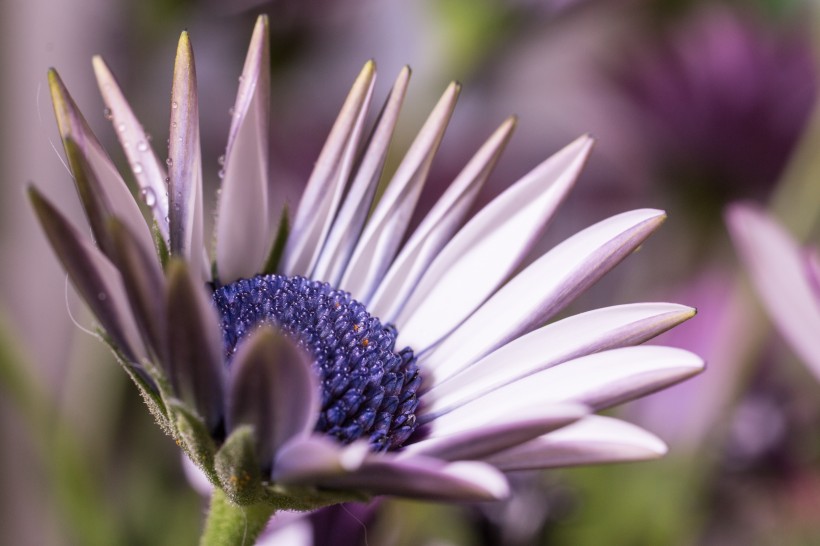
(232, 525)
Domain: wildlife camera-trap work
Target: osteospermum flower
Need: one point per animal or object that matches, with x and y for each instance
(785, 275)
(317, 359)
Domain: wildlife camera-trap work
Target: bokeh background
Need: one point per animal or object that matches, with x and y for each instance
(694, 104)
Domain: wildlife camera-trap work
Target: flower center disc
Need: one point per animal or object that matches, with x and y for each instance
(368, 388)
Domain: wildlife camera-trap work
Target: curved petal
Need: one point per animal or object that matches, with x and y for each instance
(592, 440)
(274, 388)
(195, 362)
(102, 190)
(304, 459)
(185, 162)
(486, 250)
(437, 227)
(147, 169)
(385, 228)
(543, 289)
(323, 192)
(93, 275)
(782, 276)
(572, 337)
(348, 224)
(599, 380)
(244, 226)
(507, 429)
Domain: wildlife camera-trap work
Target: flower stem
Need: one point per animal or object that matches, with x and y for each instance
(229, 524)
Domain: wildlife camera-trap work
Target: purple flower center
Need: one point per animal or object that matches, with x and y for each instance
(368, 388)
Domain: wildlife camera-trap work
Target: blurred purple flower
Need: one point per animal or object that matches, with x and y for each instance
(724, 98)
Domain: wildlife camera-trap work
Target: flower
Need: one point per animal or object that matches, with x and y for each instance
(785, 275)
(318, 359)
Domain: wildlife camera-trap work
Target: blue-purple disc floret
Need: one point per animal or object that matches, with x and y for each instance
(368, 388)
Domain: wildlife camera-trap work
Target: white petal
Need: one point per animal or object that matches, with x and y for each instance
(437, 227)
(185, 156)
(572, 337)
(348, 224)
(486, 250)
(326, 185)
(542, 289)
(147, 168)
(593, 439)
(599, 380)
(385, 228)
(783, 279)
(303, 460)
(243, 224)
(509, 428)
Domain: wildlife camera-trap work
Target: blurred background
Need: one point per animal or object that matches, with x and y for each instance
(694, 103)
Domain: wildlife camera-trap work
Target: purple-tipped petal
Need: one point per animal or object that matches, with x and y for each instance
(102, 190)
(185, 162)
(437, 227)
(599, 380)
(783, 277)
(196, 367)
(326, 184)
(274, 388)
(93, 275)
(592, 440)
(302, 460)
(423, 478)
(244, 226)
(542, 289)
(385, 228)
(508, 429)
(572, 337)
(148, 171)
(487, 249)
(144, 284)
(348, 224)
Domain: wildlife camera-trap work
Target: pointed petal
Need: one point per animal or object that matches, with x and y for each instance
(95, 278)
(782, 276)
(599, 381)
(477, 440)
(148, 171)
(348, 224)
(486, 250)
(385, 228)
(302, 460)
(244, 224)
(437, 227)
(326, 185)
(195, 362)
(144, 285)
(274, 388)
(102, 190)
(543, 289)
(423, 478)
(185, 162)
(573, 337)
(592, 440)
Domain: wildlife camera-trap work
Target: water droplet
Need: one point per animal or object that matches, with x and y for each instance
(241, 78)
(137, 168)
(142, 146)
(102, 296)
(167, 179)
(148, 196)
(148, 137)
(174, 124)
(174, 105)
(121, 127)
(221, 173)
(221, 159)
(169, 161)
(108, 114)
(231, 111)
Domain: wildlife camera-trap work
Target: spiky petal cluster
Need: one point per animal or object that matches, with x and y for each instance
(505, 387)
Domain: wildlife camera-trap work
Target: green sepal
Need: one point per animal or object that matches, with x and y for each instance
(162, 247)
(279, 242)
(194, 438)
(237, 467)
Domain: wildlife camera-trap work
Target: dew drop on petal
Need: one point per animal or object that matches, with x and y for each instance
(174, 105)
(169, 161)
(221, 173)
(142, 146)
(231, 111)
(121, 127)
(148, 196)
(137, 168)
(108, 114)
(221, 159)
(102, 296)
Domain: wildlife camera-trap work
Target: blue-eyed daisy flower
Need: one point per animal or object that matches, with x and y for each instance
(327, 356)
